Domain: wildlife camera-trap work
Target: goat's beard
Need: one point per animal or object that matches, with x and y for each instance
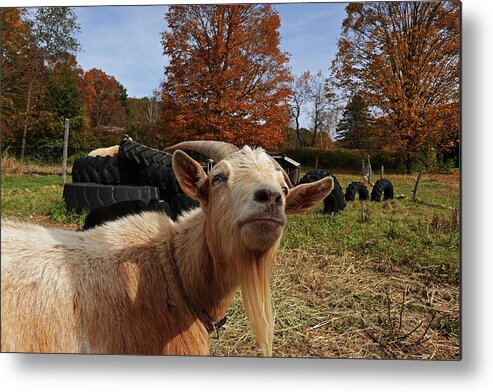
(254, 273)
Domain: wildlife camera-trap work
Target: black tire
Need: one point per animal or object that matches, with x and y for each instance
(335, 201)
(143, 155)
(104, 170)
(100, 215)
(180, 203)
(161, 176)
(382, 187)
(356, 188)
(87, 196)
(313, 176)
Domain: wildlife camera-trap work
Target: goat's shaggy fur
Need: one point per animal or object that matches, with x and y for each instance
(114, 289)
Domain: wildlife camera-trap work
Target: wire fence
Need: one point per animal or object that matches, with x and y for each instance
(42, 154)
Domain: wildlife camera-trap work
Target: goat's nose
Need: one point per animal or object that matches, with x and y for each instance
(268, 197)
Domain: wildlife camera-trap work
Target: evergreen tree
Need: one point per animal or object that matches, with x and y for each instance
(354, 128)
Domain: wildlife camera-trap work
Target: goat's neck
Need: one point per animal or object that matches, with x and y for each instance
(209, 281)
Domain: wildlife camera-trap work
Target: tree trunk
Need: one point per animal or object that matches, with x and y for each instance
(65, 152)
(297, 119)
(315, 129)
(28, 112)
(298, 135)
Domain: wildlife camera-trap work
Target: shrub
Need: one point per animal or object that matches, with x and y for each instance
(335, 159)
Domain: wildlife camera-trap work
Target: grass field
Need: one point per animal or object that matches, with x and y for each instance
(378, 280)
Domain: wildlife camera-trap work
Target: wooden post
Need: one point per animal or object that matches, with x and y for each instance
(363, 168)
(417, 184)
(65, 152)
(316, 162)
(382, 173)
(369, 170)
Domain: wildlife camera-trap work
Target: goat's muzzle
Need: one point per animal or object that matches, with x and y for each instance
(262, 229)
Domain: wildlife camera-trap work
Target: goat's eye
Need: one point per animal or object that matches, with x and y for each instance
(217, 179)
(285, 190)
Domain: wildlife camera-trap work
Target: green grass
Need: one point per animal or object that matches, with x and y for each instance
(397, 232)
(18, 181)
(38, 198)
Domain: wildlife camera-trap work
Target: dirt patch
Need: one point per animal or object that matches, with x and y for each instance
(451, 180)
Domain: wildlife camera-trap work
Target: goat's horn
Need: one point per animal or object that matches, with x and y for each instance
(211, 149)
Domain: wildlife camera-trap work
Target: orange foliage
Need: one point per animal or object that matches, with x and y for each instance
(227, 78)
(17, 44)
(103, 99)
(403, 58)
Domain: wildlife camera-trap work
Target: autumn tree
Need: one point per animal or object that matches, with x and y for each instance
(290, 139)
(354, 129)
(136, 118)
(17, 48)
(145, 122)
(105, 99)
(226, 78)
(403, 59)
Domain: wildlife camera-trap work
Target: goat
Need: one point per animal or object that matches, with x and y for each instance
(105, 152)
(145, 284)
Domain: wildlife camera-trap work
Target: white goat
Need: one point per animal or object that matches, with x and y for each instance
(105, 152)
(146, 285)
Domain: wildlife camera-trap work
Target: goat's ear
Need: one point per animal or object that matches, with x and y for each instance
(191, 177)
(303, 197)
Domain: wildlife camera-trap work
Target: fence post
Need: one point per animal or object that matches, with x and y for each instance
(65, 151)
(415, 191)
(382, 173)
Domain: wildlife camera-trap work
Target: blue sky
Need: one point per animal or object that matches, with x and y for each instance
(124, 41)
(309, 32)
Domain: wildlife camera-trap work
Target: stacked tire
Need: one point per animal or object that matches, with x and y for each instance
(335, 201)
(136, 173)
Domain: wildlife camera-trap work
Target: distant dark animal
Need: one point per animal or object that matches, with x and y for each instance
(100, 215)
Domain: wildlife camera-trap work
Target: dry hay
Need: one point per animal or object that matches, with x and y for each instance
(11, 165)
(339, 307)
(14, 166)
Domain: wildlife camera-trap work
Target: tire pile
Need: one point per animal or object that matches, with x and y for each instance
(136, 173)
(145, 176)
(336, 201)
